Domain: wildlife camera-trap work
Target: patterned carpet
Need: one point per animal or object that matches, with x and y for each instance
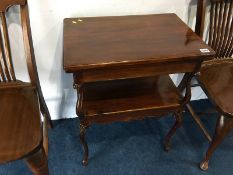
(133, 148)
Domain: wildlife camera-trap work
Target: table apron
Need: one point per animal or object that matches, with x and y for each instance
(134, 71)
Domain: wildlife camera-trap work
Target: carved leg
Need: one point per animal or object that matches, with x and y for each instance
(83, 128)
(38, 163)
(179, 118)
(223, 127)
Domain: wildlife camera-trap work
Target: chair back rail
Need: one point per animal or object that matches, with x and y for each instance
(5, 4)
(220, 28)
(28, 45)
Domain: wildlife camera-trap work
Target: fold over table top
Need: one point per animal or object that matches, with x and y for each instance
(95, 42)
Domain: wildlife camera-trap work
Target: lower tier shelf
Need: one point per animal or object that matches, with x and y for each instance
(130, 97)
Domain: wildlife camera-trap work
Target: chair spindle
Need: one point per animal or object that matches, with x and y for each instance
(7, 46)
(6, 68)
(221, 28)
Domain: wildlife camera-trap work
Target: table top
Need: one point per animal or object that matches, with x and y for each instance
(95, 42)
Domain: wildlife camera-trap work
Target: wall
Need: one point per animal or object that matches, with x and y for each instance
(47, 27)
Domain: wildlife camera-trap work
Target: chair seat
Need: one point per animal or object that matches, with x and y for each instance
(20, 122)
(130, 97)
(217, 79)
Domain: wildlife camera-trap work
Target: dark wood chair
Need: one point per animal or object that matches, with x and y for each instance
(216, 75)
(22, 134)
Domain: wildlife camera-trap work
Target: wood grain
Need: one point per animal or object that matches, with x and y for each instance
(21, 103)
(121, 64)
(221, 28)
(19, 114)
(5, 4)
(128, 95)
(216, 78)
(109, 41)
(216, 75)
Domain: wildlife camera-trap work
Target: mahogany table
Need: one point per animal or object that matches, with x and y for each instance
(121, 67)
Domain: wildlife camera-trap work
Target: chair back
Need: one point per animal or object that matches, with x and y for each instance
(7, 72)
(220, 28)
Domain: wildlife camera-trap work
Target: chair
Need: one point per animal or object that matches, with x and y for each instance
(22, 134)
(216, 75)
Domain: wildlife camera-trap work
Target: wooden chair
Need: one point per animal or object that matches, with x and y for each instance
(216, 75)
(22, 135)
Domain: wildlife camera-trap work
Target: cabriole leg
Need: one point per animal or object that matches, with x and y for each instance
(223, 127)
(83, 128)
(178, 123)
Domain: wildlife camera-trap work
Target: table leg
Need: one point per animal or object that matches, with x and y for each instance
(178, 123)
(79, 110)
(83, 128)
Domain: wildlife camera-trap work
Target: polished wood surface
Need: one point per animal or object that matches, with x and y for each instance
(217, 79)
(221, 30)
(121, 64)
(30, 58)
(19, 114)
(200, 17)
(21, 103)
(110, 41)
(130, 97)
(38, 163)
(135, 71)
(200, 23)
(219, 71)
(5, 4)
(223, 127)
(216, 76)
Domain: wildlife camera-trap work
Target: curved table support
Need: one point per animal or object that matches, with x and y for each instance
(178, 115)
(83, 128)
(79, 110)
(178, 123)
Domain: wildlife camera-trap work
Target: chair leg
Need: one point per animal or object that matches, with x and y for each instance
(198, 122)
(49, 120)
(223, 127)
(45, 135)
(178, 123)
(45, 112)
(50, 123)
(83, 128)
(38, 163)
